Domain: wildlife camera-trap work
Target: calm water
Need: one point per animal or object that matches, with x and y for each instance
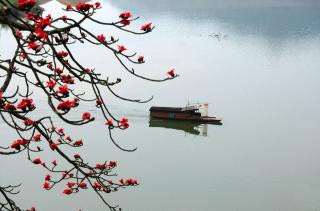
(262, 77)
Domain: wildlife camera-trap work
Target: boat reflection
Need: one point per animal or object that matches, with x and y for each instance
(189, 127)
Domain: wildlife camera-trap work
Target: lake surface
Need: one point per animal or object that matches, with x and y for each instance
(261, 75)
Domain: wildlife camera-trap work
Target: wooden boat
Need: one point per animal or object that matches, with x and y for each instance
(188, 113)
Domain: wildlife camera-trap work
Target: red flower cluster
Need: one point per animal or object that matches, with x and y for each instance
(67, 191)
(109, 122)
(83, 6)
(18, 143)
(124, 122)
(147, 27)
(86, 116)
(46, 185)
(37, 137)
(10, 107)
(101, 38)
(171, 73)
(78, 143)
(26, 4)
(125, 15)
(64, 90)
(51, 84)
(141, 59)
(67, 79)
(82, 185)
(37, 161)
(67, 105)
(129, 181)
(28, 122)
(25, 104)
(121, 48)
(63, 54)
(34, 46)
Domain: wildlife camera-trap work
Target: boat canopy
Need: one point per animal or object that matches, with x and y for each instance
(173, 109)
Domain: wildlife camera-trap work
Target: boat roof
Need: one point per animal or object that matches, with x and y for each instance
(173, 109)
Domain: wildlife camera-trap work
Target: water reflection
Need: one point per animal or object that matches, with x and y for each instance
(188, 127)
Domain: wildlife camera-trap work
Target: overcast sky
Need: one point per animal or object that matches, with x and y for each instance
(207, 4)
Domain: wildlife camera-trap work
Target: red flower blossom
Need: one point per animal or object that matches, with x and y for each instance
(28, 122)
(26, 4)
(61, 131)
(100, 166)
(69, 7)
(64, 18)
(141, 59)
(97, 185)
(53, 146)
(22, 56)
(34, 46)
(19, 34)
(68, 138)
(97, 4)
(67, 191)
(26, 103)
(54, 162)
(124, 122)
(83, 6)
(63, 54)
(67, 79)
(37, 161)
(86, 115)
(46, 185)
(40, 33)
(109, 122)
(101, 38)
(121, 48)
(58, 70)
(47, 177)
(147, 27)
(66, 105)
(98, 102)
(113, 163)
(10, 107)
(63, 90)
(82, 185)
(70, 184)
(78, 143)
(77, 156)
(37, 137)
(121, 181)
(125, 22)
(131, 181)
(51, 84)
(171, 73)
(125, 15)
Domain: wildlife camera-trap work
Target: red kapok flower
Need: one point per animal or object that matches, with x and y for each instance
(113, 163)
(109, 122)
(97, 4)
(78, 143)
(28, 122)
(53, 146)
(67, 191)
(51, 84)
(10, 107)
(69, 7)
(37, 161)
(101, 38)
(147, 27)
(63, 89)
(63, 54)
(124, 122)
(97, 185)
(121, 48)
(82, 185)
(141, 59)
(46, 185)
(47, 177)
(37, 137)
(83, 6)
(98, 102)
(77, 156)
(54, 162)
(171, 73)
(19, 34)
(86, 115)
(26, 4)
(64, 18)
(70, 184)
(125, 22)
(125, 15)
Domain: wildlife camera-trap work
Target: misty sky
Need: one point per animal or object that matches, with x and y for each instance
(207, 4)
